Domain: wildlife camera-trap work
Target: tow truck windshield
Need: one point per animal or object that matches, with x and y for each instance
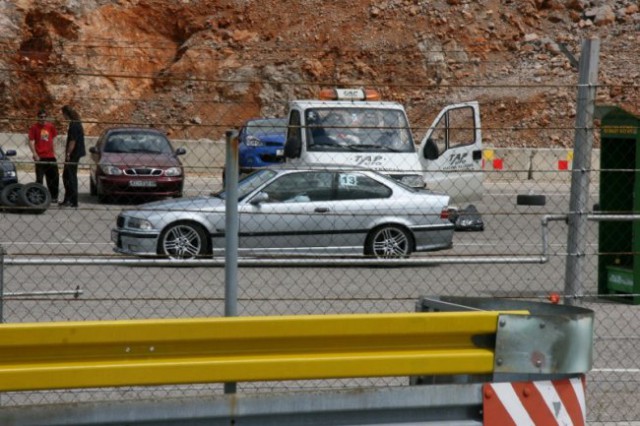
(357, 129)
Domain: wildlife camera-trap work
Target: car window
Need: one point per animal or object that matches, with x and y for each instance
(272, 126)
(301, 187)
(356, 186)
(137, 143)
(250, 183)
(372, 129)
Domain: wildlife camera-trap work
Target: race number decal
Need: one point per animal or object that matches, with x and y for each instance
(348, 180)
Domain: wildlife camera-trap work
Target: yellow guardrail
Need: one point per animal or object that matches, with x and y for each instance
(35, 356)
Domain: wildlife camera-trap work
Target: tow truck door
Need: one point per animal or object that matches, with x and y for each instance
(451, 153)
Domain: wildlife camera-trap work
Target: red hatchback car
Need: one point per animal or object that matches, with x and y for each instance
(136, 162)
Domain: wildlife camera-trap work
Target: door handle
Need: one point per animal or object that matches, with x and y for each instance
(321, 209)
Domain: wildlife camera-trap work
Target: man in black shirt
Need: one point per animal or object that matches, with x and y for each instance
(74, 151)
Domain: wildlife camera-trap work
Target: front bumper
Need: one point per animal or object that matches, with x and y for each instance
(136, 243)
(126, 185)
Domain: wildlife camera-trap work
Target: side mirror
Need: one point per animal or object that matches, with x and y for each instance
(292, 148)
(93, 150)
(10, 153)
(181, 151)
(259, 198)
(431, 150)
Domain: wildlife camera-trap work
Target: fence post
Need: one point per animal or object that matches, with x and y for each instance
(231, 233)
(579, 196)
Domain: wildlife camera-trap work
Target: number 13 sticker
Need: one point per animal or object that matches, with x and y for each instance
(348, 180)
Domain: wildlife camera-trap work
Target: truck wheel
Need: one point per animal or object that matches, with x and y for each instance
(35, 197)
(9, 195)
(389, 242)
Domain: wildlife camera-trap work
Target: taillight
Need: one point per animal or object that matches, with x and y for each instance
(444, 214)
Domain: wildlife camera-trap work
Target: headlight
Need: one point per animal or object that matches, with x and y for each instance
(173, 171)
(10, 173)
(415, 181)
(110, 170)
(137, 223)
(253, 141)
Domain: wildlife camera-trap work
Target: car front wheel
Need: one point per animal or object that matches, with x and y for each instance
(389, 242)
(183, 241)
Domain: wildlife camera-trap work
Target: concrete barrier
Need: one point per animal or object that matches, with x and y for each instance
(207, 156)
(538, 164)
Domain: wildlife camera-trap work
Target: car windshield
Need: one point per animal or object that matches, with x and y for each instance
(137, 142)
(250, 183)
(358, 129)
(270, 126)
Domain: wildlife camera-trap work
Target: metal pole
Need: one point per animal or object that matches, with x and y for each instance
(231, 234)
(577, 218)
(1, 284)
(1, 291)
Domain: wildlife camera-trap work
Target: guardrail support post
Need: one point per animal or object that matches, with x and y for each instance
(231, 234)
(576, 239)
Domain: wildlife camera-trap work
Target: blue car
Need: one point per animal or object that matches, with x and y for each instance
(261, 143)
(8, 174)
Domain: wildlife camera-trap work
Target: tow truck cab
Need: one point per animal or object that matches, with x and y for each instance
(353, 127)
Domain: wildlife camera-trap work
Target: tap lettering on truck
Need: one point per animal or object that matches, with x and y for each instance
(369, 160)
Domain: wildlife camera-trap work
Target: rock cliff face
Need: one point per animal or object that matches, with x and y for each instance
(197, 67)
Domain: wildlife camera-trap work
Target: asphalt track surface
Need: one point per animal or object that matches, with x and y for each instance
(122, 292)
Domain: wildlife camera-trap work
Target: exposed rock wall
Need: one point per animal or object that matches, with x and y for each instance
(196, 67)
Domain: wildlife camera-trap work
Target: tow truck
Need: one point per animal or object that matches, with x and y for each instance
(355, 127)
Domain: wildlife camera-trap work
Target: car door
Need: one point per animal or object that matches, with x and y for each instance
(360, 202)
(451, 153)
(296, 217)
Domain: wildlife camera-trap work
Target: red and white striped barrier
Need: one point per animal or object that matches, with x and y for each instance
(539, 403)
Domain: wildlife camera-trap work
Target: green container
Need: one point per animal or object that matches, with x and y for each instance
(619, 241)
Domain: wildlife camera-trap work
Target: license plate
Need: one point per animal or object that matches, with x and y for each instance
(114, 236)
(142, 183)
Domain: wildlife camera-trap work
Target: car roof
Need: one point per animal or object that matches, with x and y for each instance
(253, 120)
(133, 129)
(304, 104)
(321, 167)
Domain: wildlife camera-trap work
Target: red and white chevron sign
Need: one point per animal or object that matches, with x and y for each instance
(539, 403)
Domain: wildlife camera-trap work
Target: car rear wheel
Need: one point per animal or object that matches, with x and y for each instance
(35, 197)
(183, 240)
(389, 242)
(9, 196)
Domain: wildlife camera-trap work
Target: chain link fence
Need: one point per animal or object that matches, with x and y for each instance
(60, 264)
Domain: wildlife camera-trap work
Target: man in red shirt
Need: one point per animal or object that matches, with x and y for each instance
(41, 137)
